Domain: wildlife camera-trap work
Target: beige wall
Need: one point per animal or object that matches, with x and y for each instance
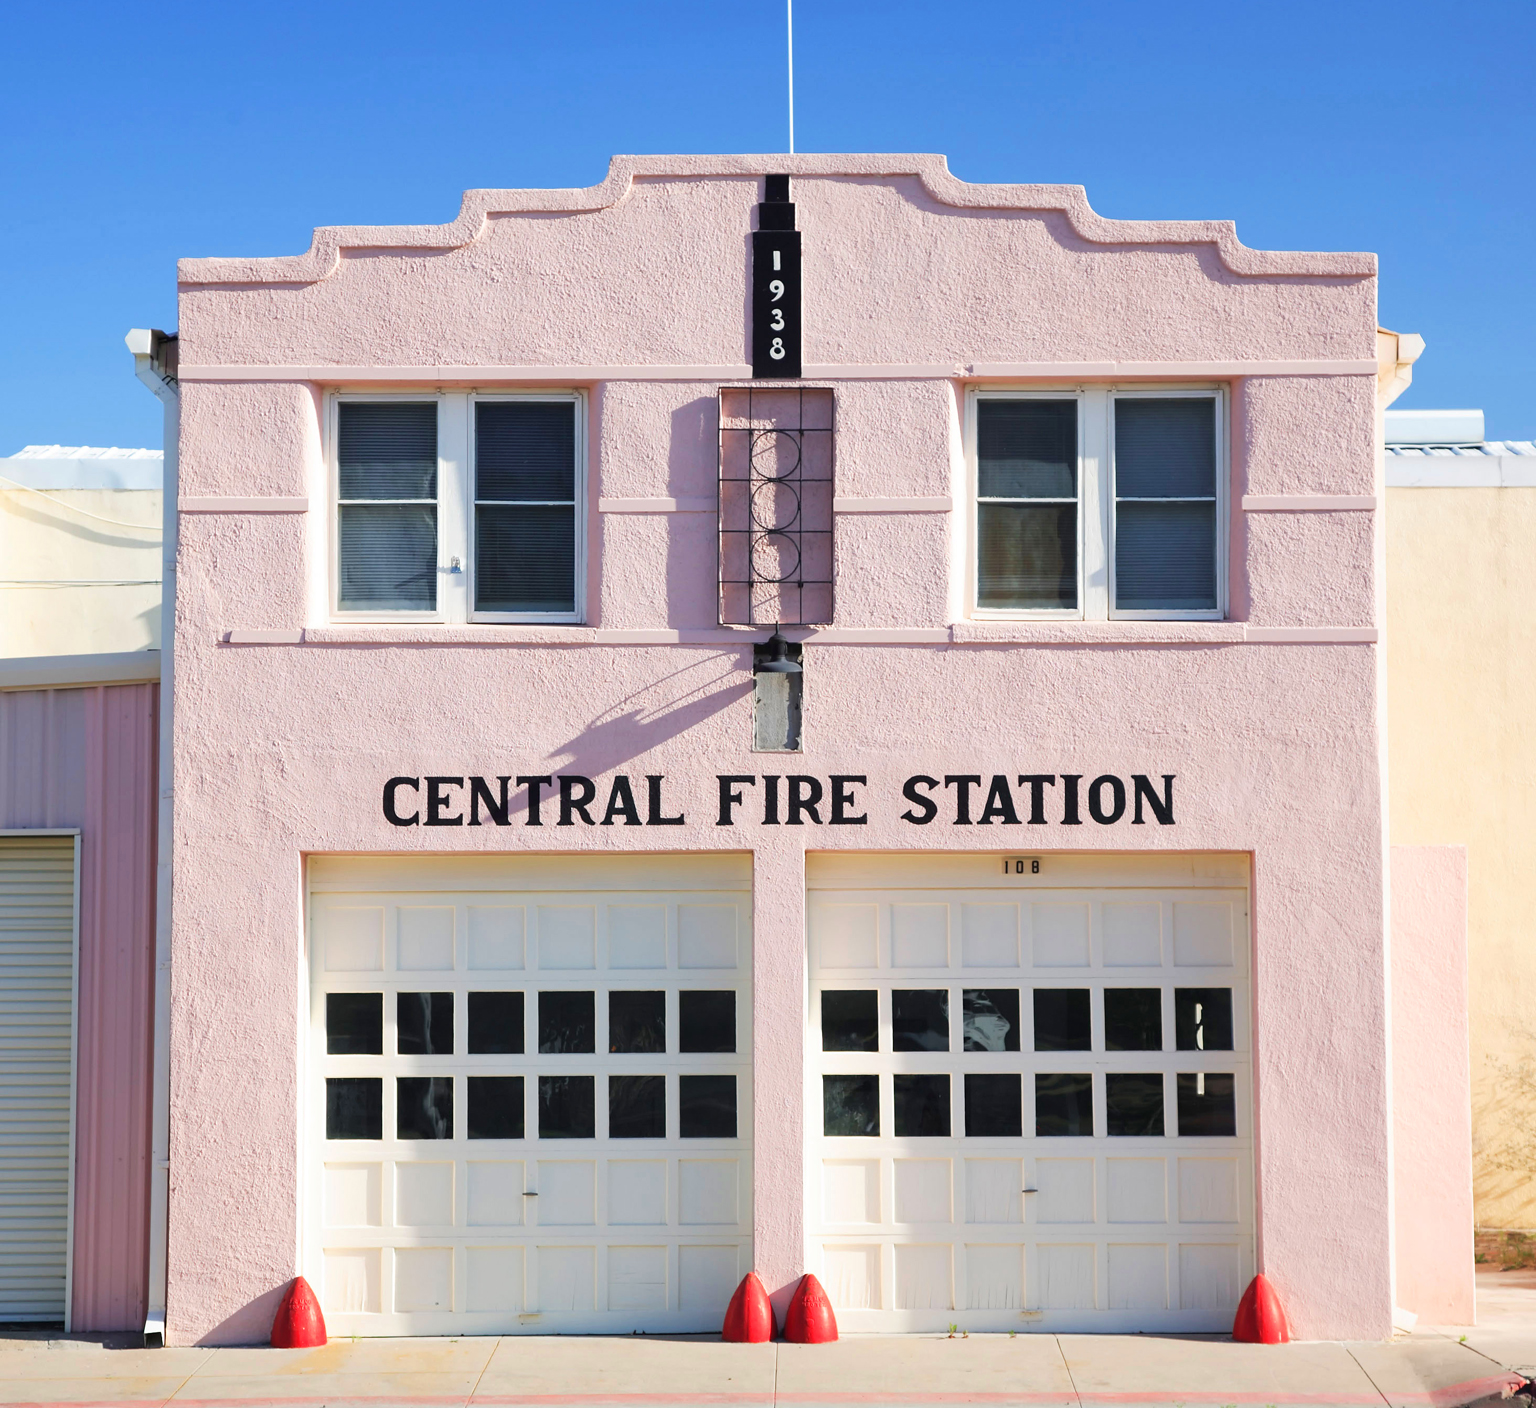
(1461, 662)
(46, 538)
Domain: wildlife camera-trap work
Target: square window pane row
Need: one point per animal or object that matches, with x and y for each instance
(989, 1019)
(1134, 1101)
(567, 1023)
(637, 1107)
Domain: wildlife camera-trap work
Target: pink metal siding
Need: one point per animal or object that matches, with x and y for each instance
(87, 757)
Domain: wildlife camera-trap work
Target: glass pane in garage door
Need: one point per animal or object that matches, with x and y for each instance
(1030, 1094)
(530, 1106)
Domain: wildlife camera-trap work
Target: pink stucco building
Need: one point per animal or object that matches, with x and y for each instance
(1010, 948)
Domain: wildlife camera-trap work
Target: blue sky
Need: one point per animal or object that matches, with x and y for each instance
(138, 134)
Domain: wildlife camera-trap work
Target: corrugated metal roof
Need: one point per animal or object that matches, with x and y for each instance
(1483, 447)
(84, 452)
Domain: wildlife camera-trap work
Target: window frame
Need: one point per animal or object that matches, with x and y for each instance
(577, 400)
(456, 506)
(1095, 498)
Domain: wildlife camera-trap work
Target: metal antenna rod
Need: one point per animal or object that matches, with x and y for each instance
(789, 12)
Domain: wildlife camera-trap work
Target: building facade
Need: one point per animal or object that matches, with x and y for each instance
(1460, 511)
(546, 951)
(80, 539)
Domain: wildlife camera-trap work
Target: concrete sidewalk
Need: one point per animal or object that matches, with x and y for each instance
(1437, 1368)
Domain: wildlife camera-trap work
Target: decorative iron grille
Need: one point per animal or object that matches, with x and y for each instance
(776, 455)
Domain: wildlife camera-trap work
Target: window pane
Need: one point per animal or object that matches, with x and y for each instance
(1207, 1104)
(388, 557)
(424, 1107)
(848, 1021)
(637, 1021)
(1026, 449)
(354, 1023)
(424, 1023)
(1165, 556)
(850, 1105)
(1133, 1019)
(1027, 556)
(1133, 1103)
(637, 1107)
(706, 1021)
(566, 1022)
(525, 559)
(1062, 1022)
(1063, 1105)
(495, 1023)
(993, 1108)
(706, 1107)
(920, 1020)
(922, 1106)
(1165, 449)
(386, 450)
(354, 1109)
(991, 1019)
(566, 1109)
(495, 1107)
(1202, 1019)
(525, 450)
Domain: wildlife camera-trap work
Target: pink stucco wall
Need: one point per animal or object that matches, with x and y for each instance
(282, 746)
(1432, 1084)
(88, 758)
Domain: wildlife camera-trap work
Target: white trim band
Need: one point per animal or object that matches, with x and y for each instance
(69, 671)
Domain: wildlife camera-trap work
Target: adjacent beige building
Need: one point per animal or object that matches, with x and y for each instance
(79, 551)
(1461, 652)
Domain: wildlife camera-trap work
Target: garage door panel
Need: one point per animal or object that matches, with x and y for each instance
(1091, 1040)
(37, 974)
(544, 1123)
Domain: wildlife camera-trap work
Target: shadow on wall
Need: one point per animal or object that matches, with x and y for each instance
(1504, 1141)
(692, 548)
(652, 716)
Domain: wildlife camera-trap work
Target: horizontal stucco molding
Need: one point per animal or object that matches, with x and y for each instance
(1309, 503)
(324, 255)
(219, 504)
(360, 374)
(64, 671)
(1129, 634)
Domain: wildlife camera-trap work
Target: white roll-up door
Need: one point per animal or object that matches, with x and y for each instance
(529, 1092)
(37, 985)
(1030, 1093)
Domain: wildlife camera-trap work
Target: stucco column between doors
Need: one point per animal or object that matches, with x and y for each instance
(778, 1060)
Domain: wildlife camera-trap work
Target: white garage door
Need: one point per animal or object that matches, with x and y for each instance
(1031, 1091)
(37, 981)
(529, 1093)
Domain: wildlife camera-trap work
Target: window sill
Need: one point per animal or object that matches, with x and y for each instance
(1066, 633)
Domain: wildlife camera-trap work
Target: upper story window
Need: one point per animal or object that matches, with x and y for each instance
(458, 507)
(1100, 503)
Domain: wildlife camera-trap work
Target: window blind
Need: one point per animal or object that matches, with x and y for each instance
(386, 460)
(525, 507)
(1026, 461)
(1165, 504)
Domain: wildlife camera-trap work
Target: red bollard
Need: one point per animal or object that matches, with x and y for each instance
(1260, 1316)
(749, 1316)
(298, 1323)
(809, 1319)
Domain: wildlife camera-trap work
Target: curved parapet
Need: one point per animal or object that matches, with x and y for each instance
(325, 251)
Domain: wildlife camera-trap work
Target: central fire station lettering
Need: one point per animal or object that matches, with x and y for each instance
(446, 800)
(778, 799)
